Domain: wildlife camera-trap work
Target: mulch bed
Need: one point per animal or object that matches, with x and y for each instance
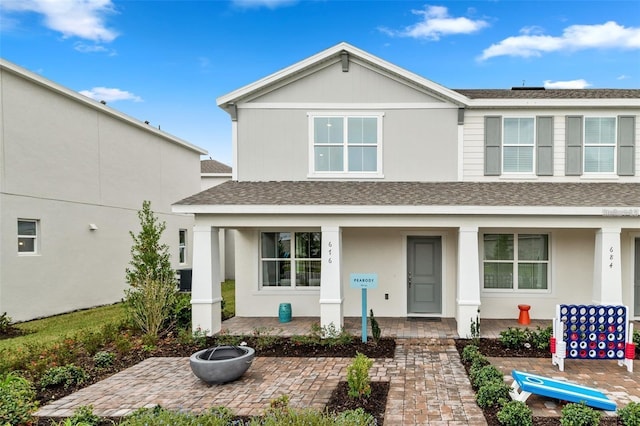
(373, 404)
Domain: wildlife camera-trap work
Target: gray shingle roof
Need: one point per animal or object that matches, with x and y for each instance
(550, 93)
(213, 166)
(323, 193)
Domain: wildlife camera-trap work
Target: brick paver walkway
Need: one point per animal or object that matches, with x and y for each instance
(428, 386)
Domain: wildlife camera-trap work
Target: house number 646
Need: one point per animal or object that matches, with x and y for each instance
(330, 244)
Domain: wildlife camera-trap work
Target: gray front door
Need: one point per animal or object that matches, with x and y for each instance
(636, 287)
(424, 275)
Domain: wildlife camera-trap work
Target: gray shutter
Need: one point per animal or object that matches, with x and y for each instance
(544, 146)
(492, 146)
(573, 154)
(626, 145)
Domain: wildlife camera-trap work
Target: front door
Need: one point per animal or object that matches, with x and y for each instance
(424, 275)
(636, 286)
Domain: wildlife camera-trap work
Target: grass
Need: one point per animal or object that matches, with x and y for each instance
(53, 329)
(229, 297)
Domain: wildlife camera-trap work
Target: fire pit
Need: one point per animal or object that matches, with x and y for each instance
(221, 364)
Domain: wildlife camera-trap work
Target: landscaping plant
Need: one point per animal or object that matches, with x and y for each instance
(470, 353)
(375, 327)
(82, 416)
(579, 415)
(358, 376)
(153, 290)
(484, 375)
(515, 413)
(17, 400)
(5, 323)
(104, 359)
(493, 394)
(630, 414)
(66, 375)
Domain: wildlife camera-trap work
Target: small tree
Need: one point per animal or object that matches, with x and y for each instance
(152, 293)
(149, 258)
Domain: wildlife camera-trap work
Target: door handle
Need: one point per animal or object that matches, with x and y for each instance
(409, 279)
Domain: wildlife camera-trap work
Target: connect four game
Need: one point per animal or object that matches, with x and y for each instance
(598, 332)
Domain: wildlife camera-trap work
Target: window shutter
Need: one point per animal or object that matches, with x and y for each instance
(544, 146)
(492, 145)
(626, 145)
(573, 154)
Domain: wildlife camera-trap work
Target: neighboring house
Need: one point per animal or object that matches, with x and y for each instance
(459, 200)
(213, 173)
(74, 174)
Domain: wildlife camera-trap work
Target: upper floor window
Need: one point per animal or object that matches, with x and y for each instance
(518, 144)
(290, 259)
(516, 261)
(182, 246)
(599, 144)
(27, 236)
(346, 144)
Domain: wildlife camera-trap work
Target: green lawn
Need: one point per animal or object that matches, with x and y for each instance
(229, 297)
(52, 329)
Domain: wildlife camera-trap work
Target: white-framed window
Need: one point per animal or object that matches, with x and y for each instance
(345, 144)
(518, 261)
(518, 153)
(290, 259)
(182, 246)
(600, 144)
(27, 236)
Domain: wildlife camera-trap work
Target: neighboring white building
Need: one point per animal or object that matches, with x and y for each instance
(213, 173)
(458, 200)
(74, 173)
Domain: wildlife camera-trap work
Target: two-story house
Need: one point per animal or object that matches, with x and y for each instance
(73, 175)
(458, 200)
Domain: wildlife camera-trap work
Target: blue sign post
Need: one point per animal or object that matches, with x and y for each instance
(364, 282)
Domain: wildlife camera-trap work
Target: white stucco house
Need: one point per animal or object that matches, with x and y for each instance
(458, 200)
(73, 175)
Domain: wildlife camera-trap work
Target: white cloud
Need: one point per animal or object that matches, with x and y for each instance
(73, 18)
(110, 94)
(623, 77)
(575, 37)
(436, 23)
(570, 84)
(269, 4)
(93, 48)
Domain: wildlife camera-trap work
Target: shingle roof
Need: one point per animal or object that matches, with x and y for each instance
(213, 166)
(324, 193)
(520, 93)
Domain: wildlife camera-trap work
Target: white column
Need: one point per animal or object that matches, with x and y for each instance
(206, 291)
(331, 297)
(468, 271)
(607, 268)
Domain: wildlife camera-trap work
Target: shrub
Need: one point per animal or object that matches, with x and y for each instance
(514, 338)
(82, 416)
(357, 417)
(358, 376)
(91, 341)
(477, 364)
(5, 323)
(17, 400)
(149, 305)
(484, 375)
(492, 394)
(470, 353)
(630, 414)
(515, 413)
(224, 338)
(67, 375)
(218, 416)
(104, 359)
(180, 315)
(541, 337)
(579, 415)
(375, 327)
(264, 337)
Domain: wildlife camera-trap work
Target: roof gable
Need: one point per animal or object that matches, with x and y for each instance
(332, 56)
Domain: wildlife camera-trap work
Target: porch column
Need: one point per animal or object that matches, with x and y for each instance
(468, 271)
(331, 277)
(206, 291)
(607, 268)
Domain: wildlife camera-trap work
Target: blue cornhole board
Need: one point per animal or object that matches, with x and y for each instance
(558, 389)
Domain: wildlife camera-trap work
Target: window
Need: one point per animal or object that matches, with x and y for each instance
(346, 144)
(182, 246)
(518, 145)
(516, 261)
(599, 144)
(284, 252)
(27, 236)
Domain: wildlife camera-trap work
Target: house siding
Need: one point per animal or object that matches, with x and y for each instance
(473, 151)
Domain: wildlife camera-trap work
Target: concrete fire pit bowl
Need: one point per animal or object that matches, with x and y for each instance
(221, 364)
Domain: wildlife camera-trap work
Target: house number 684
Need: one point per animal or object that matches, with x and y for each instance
(611, 257)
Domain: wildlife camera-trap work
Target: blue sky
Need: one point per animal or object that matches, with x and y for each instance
(167, 61)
